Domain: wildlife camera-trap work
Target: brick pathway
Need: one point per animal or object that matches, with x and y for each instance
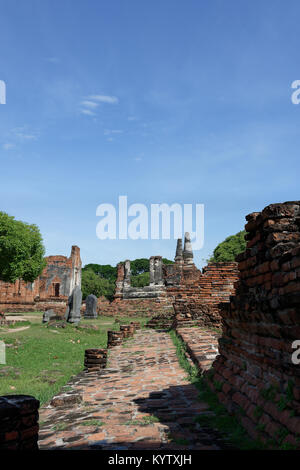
(202, 345)
(141, 401)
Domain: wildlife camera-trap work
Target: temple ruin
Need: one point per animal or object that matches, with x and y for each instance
(50, 290)
(177, 292)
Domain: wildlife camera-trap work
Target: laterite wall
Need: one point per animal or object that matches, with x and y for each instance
(254, 374)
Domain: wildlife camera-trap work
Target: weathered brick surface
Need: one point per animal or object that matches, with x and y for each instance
(135, 307)
(18, 422)
(50, 290)
(254, 370)
(142, 400)
(95, 359)
(201, 345)
(198, 295)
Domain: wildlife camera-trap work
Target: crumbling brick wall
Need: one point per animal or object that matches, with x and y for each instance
(139, 301)
(254, 374)
(17, 295)
(137, 307)
(193, 295)
(50, 290)
(197, 297)
(19, 422)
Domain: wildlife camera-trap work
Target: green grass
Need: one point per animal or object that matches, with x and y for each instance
(218, 418)
(40, 360)
(91, 422)
(17, 324)
(145, 421)
(179, 441)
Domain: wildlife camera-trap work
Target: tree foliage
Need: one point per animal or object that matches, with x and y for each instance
(139, 266)
(92, 283)
(21, 250)
(229, 248)
(142, 265)
(103, 270)
(141, 280)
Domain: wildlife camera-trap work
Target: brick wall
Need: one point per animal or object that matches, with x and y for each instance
(198, 295)
(193, 295)
(134, 307)
(254, 374)
(52, 287)
(19, 422)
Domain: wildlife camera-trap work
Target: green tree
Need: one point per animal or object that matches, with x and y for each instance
(167, 261)
(141, 280)
(21, 250)
(229, 248)
(142, 265)
(92, 283)
(139, 266)
(103, 270)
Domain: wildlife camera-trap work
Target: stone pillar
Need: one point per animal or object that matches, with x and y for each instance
(74, 304)
(91, 306)
(188, 256)
(151, 269)
(156, 275)
(178, 256)
(75, 279)
(127, 275)
(119, 281)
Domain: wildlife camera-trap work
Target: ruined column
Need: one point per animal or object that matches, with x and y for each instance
(188, 256)
(156, 275)
(119, 281)
(127, 275)
(91, 306)
(178, 255)
(151, 269)
(73, 314)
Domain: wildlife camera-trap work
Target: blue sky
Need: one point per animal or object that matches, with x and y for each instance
(162, 101)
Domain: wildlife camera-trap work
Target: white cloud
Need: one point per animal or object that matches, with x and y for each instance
(89, 104)
(104, 99)
(23, 136)
(8, 146)
(93, 101)
(88, 112)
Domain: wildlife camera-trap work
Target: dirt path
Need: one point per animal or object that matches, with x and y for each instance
(141, 401)
(22, 317)
(14, 330)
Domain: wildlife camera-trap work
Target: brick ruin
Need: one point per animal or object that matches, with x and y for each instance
(197, 295)
(177, 293)
(149, 300)
(256, 301)
(19, 422)
(254, 375)
(50, 290)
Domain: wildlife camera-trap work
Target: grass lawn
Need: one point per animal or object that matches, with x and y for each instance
(40, 360)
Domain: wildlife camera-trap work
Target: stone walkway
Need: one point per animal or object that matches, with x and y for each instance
(141, 401)
(201, 344)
